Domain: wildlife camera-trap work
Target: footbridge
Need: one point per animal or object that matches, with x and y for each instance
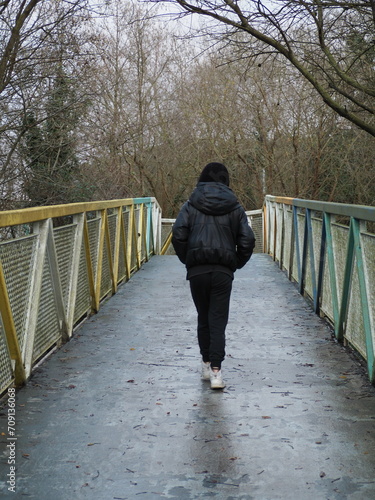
(99, 367)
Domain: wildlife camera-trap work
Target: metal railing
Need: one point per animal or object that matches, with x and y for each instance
(57, 263)
(329, 250)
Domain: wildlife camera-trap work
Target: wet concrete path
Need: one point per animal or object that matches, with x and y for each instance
(120, 411)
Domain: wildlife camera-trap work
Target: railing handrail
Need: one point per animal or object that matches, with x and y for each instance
(35, 214)
(362, 212)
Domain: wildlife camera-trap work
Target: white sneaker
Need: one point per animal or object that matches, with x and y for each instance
(206, 370)
(216, 380)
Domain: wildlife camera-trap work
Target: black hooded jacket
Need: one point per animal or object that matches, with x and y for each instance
(212, 229)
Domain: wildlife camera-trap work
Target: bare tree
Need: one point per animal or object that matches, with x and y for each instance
(330, 43)
(38, 40)
(129, 125)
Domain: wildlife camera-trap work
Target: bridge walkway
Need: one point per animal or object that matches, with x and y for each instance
(120, 411)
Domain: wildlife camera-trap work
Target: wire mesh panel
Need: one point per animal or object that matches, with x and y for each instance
(166, 228)
(48, 329)
(313, 260)
(368, 245)
(288, 225)
(256, 222)
(340, 242)
(121, 259)
(326, 304)
(279, 231)
(112, 224)
(301, 229)
(64, 241)
(17, 257)
(271, 228)
(83, 298)
(106, 281)
(354, 331)
(124, 259)
(93, 229)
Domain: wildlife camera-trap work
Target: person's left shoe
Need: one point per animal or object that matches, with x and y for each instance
(206, 370)
(216, 379)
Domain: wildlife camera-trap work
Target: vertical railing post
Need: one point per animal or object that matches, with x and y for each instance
(292, 245)
(125, 239)
(321, 265)
(99, 265)
(130, 236)
(327, 222)
(276, 234)
(310, 244)
(41, 229)
(79, 220)
(282, 236)
(297, 245)
(349, 261)
(156, 223)
(107, 238)
(149, 230)
(56, 283)
(265, 225)
(138, 236)
(90, 267)
(117, 246)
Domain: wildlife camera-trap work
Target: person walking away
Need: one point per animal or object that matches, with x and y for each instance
(212, 237)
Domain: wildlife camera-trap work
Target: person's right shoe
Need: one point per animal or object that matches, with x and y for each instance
(205, 370)
(216, 379)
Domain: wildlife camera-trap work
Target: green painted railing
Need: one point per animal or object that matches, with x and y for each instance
(329, 250)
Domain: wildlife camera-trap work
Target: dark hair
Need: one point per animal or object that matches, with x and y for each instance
(215, 172)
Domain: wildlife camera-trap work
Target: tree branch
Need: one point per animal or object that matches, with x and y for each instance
(242, 22)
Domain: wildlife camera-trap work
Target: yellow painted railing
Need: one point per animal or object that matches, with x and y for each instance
(57, 263)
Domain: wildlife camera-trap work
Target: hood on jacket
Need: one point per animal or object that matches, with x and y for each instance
(213, 198)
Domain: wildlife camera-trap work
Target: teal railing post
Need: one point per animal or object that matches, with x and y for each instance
(298, 253)
(308, 247)
(346, 284)
(149, 229)
(326, 230)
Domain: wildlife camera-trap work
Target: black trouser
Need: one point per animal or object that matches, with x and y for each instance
(211, 296)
